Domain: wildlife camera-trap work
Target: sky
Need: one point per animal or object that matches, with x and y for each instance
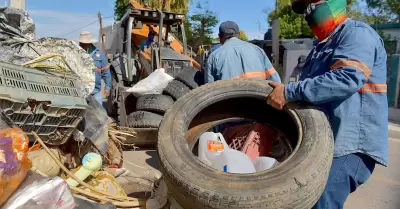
(67, 19)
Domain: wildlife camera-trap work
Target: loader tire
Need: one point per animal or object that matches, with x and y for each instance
(187, 76)
(143, 119)
(154, 103)
(114, 98)
(176, 89)
(296, 183)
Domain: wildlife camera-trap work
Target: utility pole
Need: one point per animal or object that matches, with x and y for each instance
(275, 37)
(101, 32)
(19, 4)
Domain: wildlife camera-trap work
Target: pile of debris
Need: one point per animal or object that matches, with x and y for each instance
(19, 46)
(55, 139)
(30, 174)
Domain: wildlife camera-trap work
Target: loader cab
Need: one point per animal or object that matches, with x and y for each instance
(130, 64)
(157, 55)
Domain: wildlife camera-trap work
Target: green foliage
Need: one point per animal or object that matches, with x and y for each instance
(203, 21)
(243, 36)
(199, 26)
(121, 6)
(385, 9)
(292, 25)
(178, 6)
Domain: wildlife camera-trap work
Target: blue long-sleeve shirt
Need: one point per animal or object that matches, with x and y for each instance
(213, 48)
(239, 59)
(345, 75)
(102, 71)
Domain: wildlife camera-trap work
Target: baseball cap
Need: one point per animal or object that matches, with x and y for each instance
(299, 6)
(228, 28)
(302, 59)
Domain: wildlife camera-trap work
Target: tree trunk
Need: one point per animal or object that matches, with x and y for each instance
(163, 5)
(202, 31)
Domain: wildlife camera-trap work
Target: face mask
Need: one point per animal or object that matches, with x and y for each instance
(324, 16)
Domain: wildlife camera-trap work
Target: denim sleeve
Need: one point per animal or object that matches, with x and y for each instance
(105, 73)
(350, 69)
(208, 75)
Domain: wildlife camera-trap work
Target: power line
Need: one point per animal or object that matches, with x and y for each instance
(106, 3)
(91, 23)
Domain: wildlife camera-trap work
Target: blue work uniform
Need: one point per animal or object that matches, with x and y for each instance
(345, 75)
(102, 72)
(143, 45)
(239, 59)
(213, 48)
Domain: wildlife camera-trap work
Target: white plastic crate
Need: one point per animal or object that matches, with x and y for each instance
(47, 102)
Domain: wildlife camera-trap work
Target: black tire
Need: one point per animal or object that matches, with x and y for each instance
(171, 72)
(113, 99)
(143, 119)
(176, 89)
(297, 182)
(187, 76)
(154, 103)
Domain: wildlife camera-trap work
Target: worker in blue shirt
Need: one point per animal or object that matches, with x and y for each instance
(213, 48)
(199, 76)
(86, 41)
(344, 75)
(237, 58)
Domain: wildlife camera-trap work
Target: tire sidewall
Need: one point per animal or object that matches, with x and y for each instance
(186, 173)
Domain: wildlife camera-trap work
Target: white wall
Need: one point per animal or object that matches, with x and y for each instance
(290, 58)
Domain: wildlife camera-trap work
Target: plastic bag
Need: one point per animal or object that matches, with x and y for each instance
(95, 125)
(85, 204)
(153, 84)
(42, 161)
(38, 192)
(14, 162)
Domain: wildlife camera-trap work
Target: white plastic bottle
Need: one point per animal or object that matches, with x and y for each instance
(264, 163)
(233, 161)
(211, 145)
(215, 152)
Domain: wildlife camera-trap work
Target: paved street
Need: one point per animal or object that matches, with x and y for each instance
(382, 191)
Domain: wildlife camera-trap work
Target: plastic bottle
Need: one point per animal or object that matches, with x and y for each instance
(215, 152)
(211, 145)
(233, 161)
(264, 163)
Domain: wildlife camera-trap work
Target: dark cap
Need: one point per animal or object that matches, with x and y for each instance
(299, 6)
(228, 29)
(302, 59)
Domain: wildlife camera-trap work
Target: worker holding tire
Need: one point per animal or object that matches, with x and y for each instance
(345, 75)
(237, 58)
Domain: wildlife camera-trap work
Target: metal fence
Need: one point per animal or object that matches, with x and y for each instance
(393, 65)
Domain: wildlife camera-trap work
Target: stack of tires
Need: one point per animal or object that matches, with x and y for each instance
(150, 108)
